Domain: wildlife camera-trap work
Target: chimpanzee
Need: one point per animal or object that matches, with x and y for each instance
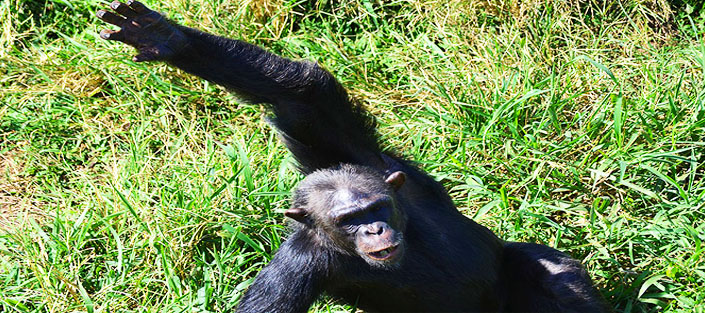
(368, 227)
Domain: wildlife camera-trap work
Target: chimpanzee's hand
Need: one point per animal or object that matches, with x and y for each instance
(153, 35)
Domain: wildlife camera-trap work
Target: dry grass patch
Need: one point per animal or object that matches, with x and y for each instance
(17, 205)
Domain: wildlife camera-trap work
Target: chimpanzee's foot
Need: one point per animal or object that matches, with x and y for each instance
(153, 35)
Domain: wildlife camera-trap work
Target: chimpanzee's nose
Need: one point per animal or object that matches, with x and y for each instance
(376, 228)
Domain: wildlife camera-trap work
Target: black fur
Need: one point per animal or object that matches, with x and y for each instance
(319, 124)
(291, 281)
(449, 262)
(537, 278)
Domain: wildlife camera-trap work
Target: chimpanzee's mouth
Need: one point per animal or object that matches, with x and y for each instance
(384, 254)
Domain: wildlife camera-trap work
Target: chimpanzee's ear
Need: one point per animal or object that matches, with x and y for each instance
(396, 179)
(298, 214)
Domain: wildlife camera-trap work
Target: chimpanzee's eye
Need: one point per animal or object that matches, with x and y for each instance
(344, 220)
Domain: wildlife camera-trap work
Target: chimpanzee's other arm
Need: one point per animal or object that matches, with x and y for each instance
(290, 282)
(319, 122)
(537, 278)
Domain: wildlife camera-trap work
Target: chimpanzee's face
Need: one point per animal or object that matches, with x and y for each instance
(369, 223)
(354, 209)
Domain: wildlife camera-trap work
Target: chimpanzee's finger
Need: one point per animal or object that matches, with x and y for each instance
(112, 35)
(145, 56)
(123, 9)
(110, 17)
(138, 7)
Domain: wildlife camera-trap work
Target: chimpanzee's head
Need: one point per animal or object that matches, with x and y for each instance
(354, 209)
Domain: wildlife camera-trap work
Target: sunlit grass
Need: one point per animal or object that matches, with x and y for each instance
(138, 188)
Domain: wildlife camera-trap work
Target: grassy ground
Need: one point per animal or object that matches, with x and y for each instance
(137, 188)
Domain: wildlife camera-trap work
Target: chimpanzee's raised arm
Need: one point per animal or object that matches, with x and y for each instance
(319, 123)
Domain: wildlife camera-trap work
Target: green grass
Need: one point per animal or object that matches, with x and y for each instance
(137, 188)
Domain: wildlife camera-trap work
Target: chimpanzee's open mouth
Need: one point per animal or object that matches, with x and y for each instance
(384, 254)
